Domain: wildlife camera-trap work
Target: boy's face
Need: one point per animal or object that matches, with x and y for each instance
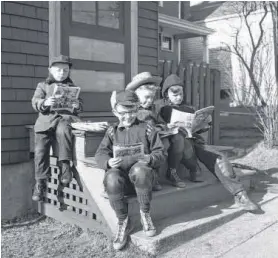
(126, 115)
(175, 94)
(146, 97)
(59, 71)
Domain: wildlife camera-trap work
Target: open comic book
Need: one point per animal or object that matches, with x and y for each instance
(132, 150)
(192, 122)
(65, 97)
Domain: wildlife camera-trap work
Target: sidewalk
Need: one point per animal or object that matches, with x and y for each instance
(250, 235)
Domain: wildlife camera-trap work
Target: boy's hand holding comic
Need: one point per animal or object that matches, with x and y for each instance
(49, 102)
(115, 162)
(173, 127)
(75, 104)
(145, 159)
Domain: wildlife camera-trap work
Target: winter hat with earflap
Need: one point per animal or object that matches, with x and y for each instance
(170, 81)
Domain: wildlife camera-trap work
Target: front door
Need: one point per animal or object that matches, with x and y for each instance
(96, 36)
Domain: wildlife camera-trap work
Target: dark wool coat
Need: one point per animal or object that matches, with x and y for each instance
(136, 133)
(49, 119)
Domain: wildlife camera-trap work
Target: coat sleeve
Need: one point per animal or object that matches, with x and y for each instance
(105, 150)
(80, 109)
(39, 98)
(158, 153)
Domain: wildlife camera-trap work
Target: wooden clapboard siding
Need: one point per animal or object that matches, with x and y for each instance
(24, 62)
(170, 8)
(148, 37)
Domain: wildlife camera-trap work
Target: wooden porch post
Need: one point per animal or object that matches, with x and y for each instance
(134, 37)
(54, 28)
(205, 50)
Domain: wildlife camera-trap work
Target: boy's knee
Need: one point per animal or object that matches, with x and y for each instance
(177, 143)
(113, 180)
(141, 174)
(225, 166)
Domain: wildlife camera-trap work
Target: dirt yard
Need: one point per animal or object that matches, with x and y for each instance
(50, 238)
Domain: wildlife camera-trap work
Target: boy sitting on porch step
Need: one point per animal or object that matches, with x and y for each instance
(145, 87)
(125, 172)
(53, 125)
(216, 162)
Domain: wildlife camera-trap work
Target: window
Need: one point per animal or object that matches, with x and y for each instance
(99, 13)
(166, 42)
(160, 3)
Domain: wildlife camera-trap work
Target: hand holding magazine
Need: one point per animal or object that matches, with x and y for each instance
(131, 150)
(192, 122)
(65, 97)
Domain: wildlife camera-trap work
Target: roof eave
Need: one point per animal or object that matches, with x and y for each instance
(184, 25)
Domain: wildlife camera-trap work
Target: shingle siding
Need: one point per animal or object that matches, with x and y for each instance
(24, 63)
(148, 37)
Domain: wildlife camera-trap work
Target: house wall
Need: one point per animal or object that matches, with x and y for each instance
(170, 8)
(24, 62)
(148, 37)
(192, 50)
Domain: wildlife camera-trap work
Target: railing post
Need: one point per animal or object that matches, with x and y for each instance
(195, 85)
(188, 84)
(216, 102)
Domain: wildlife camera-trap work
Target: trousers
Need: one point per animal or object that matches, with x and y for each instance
(43, 141)
(118, 183)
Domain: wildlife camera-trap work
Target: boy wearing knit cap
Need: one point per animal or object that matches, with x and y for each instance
(180, 150)
(216, 162)
(126, 174)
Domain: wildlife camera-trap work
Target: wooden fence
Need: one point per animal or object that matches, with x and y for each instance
(201, 88)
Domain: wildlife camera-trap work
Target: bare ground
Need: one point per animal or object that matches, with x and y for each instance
(50, 238)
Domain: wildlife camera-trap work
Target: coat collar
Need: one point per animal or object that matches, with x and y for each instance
(122, 127)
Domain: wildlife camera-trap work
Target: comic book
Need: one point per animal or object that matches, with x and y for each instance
(131, 150)
(192, 122)
(65, 97)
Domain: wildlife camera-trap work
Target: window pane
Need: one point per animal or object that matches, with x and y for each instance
(108, 14)
(84, 12)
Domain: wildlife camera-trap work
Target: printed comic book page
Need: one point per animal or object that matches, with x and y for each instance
(134, 150)
(65, 97)
(202, 118)
(192, 122)
(183, 119)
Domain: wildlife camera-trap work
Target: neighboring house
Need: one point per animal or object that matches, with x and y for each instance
(222, 18)
(174, 27)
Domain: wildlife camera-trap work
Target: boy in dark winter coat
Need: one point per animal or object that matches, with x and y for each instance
(216, 162)
(145, 87)
(125, 174)
(52, 125)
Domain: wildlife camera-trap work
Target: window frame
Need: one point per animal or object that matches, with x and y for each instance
(96, 27)
(161, 35)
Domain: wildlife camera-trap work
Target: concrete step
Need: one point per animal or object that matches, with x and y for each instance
(176, 235)
(169, 202)
(224, 240)
(172, 201)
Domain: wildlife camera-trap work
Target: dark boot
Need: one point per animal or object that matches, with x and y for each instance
(39, 190)
(66, 174)
(243, 201)
(193, 176)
